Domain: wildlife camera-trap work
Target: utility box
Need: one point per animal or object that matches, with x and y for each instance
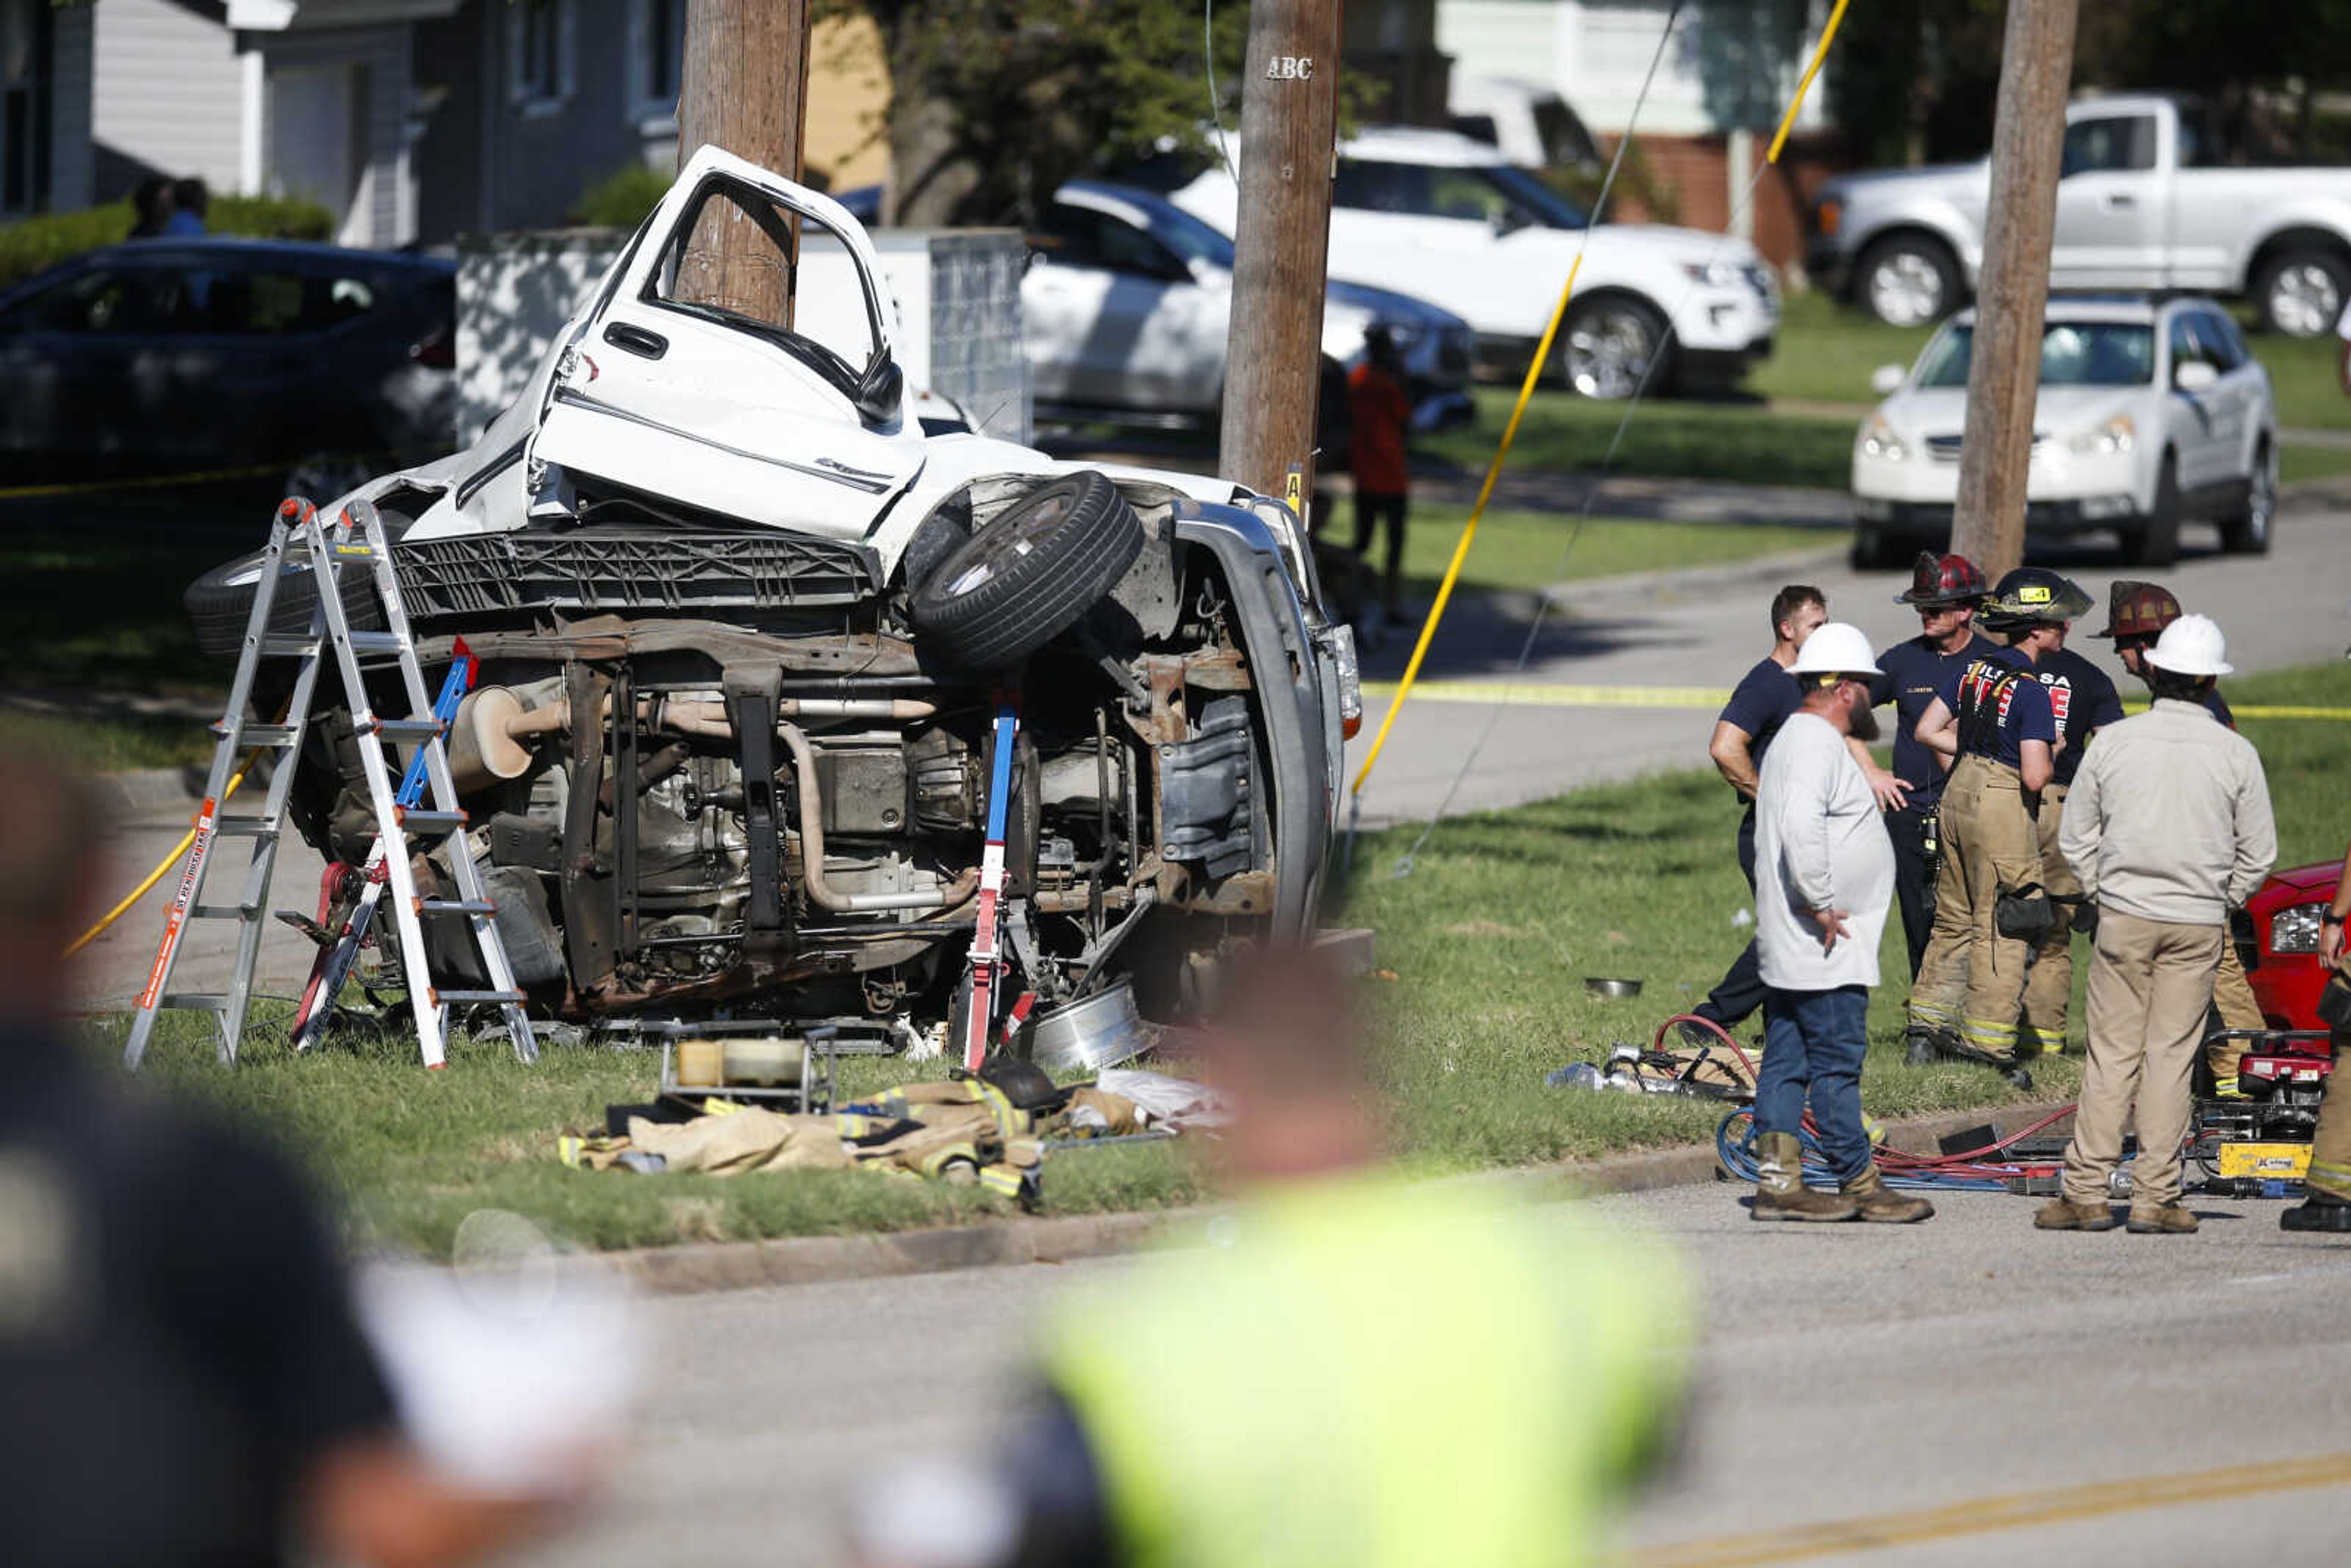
(956, 305)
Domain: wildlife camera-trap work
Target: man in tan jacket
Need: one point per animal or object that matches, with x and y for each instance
(2168, 827)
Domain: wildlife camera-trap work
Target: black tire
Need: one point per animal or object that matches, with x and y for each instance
(1874, 549)
(220, 602)
(2301, 290)
(1605, 343)
(938, 535)
(1907, 280)
(1029, 574)
(2157, 541)
(2249, 532)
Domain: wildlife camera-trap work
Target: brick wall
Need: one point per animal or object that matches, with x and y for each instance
(1694, 173)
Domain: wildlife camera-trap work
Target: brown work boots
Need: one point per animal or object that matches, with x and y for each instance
(1882, 1205)
(2145, 1219)
(1780, 1192)
(1779, 1189)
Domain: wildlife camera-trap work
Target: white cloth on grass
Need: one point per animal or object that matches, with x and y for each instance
(1820, 843)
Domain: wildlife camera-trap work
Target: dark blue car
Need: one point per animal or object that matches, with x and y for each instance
(281, 358)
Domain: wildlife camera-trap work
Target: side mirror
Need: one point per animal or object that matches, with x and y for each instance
(1886, 380)
(2195, 376)
(880, 391)
(1510, 221)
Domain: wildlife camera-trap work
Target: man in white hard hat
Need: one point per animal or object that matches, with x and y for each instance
(2168, 827)
(1824, 879)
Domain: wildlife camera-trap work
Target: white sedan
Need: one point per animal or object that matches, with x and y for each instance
(2151, 413)
(1128, 302)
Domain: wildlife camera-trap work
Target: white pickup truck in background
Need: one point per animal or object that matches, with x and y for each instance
(2147, 200)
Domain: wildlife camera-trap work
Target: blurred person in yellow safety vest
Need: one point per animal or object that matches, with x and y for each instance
(1357, 1370)
(1991, 905)
(2137, 614)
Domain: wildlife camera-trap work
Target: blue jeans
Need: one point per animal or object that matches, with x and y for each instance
(1814, 1043)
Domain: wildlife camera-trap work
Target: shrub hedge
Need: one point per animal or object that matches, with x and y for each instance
(37, 243)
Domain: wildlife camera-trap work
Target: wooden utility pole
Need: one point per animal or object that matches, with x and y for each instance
(2028, 141)
(743, 87)
(1289, 111)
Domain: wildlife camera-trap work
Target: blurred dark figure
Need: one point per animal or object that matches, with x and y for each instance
(191, 204)
(184, 1379)
(1362, 1370)
(1379, 414)
(151, 204)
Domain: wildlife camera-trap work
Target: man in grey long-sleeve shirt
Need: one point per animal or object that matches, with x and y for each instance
(2168, 826)
(1824, 879)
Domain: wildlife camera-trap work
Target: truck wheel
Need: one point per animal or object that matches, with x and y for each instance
(1873, 550)
(2301, 290)
(1607, 346)
(1908, 280)
(2248, 533)
(1030, 573)
(220, 602)
(2156, 543)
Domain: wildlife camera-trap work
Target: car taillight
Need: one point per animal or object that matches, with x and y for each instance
(437, 352)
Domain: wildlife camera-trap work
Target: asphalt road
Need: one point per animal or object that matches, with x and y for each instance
(1678, 629)
(1704, 628)
(1964, 1391)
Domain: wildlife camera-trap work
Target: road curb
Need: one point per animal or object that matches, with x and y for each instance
(142, 790)
(700, 1268)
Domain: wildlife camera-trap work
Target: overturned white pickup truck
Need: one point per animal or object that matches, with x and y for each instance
(744, 630)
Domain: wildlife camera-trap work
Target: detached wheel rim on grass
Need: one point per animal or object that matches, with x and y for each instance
(2304, 300)
(1608, 351)
(1905, 290)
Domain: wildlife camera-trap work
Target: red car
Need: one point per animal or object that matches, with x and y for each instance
(2288, 978)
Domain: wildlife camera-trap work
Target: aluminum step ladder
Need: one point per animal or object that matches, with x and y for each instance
(355, 541)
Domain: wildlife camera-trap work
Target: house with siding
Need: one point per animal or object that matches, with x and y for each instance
(411, 120)
(1725, 76)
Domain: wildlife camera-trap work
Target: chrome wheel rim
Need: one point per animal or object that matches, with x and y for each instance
(1608, 351)
(2304, 300)
(1905, 290)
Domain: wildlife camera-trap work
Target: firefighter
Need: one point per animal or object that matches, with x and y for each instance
(2137, 614)
(2082, 701)
(1945, 590)
(2328, 1205)
(1994, 719)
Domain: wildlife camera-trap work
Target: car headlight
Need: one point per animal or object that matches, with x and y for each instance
(1878, 439)
(2111, 439)
(1713, 274)
(2295, 929)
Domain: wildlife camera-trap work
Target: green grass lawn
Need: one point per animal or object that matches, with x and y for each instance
(1521, 551)
(1667, 437)
(1490, 939)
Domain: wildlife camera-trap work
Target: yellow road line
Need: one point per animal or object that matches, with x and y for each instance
(2016, 1511)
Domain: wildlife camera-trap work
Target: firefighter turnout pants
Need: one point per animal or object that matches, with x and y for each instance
(2049, 988)
(1972, 980)
(2151, 984)
(2232, 999)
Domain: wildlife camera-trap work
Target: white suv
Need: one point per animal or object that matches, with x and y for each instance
(1436, 214)
(2150, 413)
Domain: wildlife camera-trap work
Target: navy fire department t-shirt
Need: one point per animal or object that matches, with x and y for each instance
(1916, 673)
(2082, 701)
(1760, 704)
(2024, 708)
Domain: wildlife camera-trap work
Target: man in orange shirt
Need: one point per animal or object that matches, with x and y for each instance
(1378, 415)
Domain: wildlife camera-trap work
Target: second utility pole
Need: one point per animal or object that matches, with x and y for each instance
(2027, 140)
(743, 87)
(1289, 111)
